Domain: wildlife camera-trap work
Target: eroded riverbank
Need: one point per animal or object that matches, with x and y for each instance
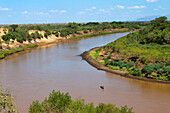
(100, 66)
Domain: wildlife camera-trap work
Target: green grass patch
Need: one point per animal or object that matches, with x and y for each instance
(4, 53)
(93, 55)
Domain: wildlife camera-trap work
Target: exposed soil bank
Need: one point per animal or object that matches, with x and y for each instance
(94, 63)
(69, 39)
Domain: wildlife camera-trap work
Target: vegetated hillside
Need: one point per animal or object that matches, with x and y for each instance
(21, 32)
(143, 53)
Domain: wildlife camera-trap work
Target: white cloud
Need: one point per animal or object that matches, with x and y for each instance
(155, 9)
(102, 10)
(63, 11)
(120, 7)
(53, 11)
(57, 11)
(81, 12)
(137, 7)
(4, 9)
(92, 8)
(25, 12)
(151, 0)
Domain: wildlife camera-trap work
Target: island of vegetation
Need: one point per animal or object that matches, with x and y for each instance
(143, 55)
(15, 38)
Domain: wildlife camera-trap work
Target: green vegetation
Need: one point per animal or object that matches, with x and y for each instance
(93, 55)
(4, 52)
(20, 33)
(100, 33)
(6, 102)
(143, 53)
(58, 102)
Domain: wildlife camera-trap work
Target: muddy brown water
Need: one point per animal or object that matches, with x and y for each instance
(33, 74)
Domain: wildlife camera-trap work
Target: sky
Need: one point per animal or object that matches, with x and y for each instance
(64, 11)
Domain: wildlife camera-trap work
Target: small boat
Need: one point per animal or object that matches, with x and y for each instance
(102, 87)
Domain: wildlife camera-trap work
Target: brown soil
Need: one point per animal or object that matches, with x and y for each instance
(99, 66)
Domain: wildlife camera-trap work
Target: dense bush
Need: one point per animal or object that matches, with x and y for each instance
(147, 69)
(136, 72)
(6, 102)
(157, 32)
(93, 55)
(58, 102)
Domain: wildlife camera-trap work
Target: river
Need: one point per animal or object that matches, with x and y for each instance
(33, 74)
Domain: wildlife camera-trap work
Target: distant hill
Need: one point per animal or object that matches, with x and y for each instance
(149, 18)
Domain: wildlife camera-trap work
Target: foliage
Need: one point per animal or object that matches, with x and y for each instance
(4, 52)
(58, 102)
(93, 55)
(146, 48)
(6, 102)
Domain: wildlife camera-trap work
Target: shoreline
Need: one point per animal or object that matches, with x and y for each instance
(61, 40)
(85, 56)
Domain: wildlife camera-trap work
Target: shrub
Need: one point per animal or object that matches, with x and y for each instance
(130, 64)
(61, 103)
(45, 35)
(136, 72)
(6, 102)
(106, 62)
(85, 31)
(147, 69)
(101, 62)
(93, 55)
(166, 70)
(98, 50)
(160, 71)
(20, 40)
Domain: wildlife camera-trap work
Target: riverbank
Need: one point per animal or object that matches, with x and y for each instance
(5, 53)
(99, 66)
(98, 34)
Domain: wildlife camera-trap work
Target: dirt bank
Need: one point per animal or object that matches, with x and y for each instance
(56, 40)
(94, 63)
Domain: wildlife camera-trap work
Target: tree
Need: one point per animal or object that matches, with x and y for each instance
(13, 27)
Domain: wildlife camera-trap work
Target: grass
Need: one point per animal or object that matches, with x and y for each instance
(93, 55)
(143, 51)
(4, 53)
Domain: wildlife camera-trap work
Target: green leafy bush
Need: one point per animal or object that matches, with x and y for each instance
(85, 31)
(166, 69)
(136, 72)
(93, 55)
(147, 69)
(6, 102)
(58, 102)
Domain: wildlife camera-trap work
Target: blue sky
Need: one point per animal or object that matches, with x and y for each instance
(62, 11)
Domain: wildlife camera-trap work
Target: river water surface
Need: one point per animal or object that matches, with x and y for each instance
(33, 74)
